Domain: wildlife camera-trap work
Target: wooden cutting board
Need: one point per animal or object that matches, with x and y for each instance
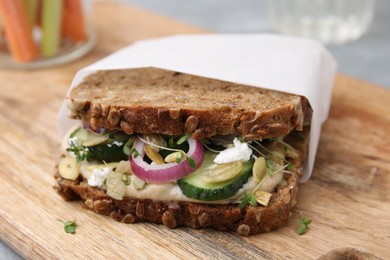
(347, 198)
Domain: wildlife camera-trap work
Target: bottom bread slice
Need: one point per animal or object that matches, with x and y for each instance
(245, 221)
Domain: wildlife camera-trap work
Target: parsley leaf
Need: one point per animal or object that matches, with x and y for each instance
(247, 199)
(70, 226)
(304, 224)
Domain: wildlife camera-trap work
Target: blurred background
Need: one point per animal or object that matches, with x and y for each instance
(367, 57)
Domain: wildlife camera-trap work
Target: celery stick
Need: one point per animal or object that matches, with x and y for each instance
(31, 7)
(51, 27)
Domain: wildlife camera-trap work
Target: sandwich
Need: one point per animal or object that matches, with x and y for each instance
(153, 145)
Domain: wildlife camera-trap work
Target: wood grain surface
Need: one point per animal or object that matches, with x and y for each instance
(347, 198)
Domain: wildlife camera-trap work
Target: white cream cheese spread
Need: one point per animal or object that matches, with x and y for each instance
(240, 152)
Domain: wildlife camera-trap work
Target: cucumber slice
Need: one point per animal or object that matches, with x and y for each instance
(109, 151)
(88, 138)
(192, 185)
(107, 147)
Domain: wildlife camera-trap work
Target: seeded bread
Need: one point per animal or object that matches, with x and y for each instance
(150, 100)
(247, 221)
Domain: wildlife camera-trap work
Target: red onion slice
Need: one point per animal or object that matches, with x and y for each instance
(169, 171)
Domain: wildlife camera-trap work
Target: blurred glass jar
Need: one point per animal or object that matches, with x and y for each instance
(329, 21)
(44, 33)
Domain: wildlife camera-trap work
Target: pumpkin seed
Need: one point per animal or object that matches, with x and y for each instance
(69, 168)
(259, 170)
(153, 155)
(263, 197)
(223, 172)
(173, 157)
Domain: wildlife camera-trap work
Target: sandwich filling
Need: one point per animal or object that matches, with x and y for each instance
(217, 170)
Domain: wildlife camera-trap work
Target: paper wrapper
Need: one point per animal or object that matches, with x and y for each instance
(287, 64)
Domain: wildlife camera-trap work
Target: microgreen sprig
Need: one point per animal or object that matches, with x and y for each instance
(82, 153)
(190, 160)
(304, 224)
(70, 226)
(270, 166)
(247, 199)
(182, 139)
(134, 152)
(206, 144)
(128, 144)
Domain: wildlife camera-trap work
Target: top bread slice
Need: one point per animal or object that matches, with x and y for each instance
(151, 100)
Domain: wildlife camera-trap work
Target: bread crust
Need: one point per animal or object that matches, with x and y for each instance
(150, 100)
(247, 221)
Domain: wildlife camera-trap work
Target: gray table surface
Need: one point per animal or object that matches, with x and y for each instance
(368, 58)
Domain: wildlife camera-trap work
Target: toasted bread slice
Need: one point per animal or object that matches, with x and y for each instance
(150, 100)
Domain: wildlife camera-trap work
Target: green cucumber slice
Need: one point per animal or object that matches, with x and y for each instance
(108, 151)
(107, 147)
(193, 187)
(88, 138)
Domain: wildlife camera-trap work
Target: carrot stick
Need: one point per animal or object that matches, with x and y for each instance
(18, 30)
(31, 7)
(51, 24)
(1, 28)
(73, 23)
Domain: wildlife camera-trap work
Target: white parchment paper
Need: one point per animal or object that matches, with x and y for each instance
(288, 64)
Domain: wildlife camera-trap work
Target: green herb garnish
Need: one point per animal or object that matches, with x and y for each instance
(182, 139)
(134, 152)
(171, 141)
(82, 153)
(270, 167)
(191, 162)
(126, 147)
(70, 226)
(305, 222)
(247, 199)
(178, 158)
